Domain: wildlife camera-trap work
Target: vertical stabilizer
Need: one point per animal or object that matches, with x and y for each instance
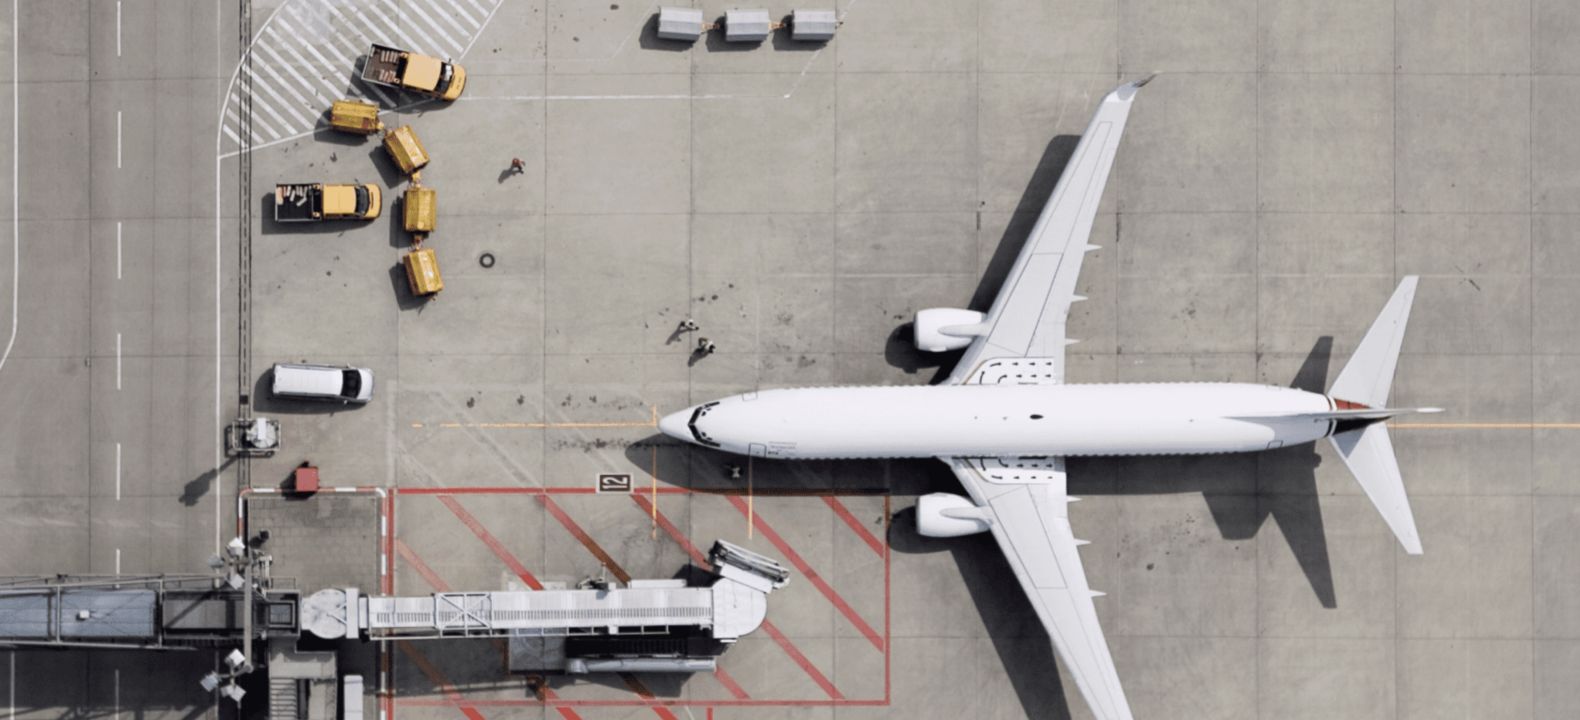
(1368, 451)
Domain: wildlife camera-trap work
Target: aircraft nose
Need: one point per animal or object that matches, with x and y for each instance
(674, 425)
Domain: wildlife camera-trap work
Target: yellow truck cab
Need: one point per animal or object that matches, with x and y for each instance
(406, 70)
(311, 202)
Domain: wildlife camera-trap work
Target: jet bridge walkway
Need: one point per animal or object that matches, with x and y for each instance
(539, 621)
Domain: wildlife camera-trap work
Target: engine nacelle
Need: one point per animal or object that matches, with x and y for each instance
(940, 329)
(942, 515)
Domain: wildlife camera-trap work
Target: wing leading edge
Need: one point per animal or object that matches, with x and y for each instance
(1027, 510)
(1028, 316)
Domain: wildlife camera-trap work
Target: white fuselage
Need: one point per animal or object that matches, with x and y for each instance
(1003, 420)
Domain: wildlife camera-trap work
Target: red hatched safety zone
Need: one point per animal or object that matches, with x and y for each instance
(825, 642)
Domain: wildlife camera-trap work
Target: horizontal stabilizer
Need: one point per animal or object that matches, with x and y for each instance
(1367, 377)
(1368, 452)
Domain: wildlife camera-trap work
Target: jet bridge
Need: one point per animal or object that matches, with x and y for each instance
(672, 624)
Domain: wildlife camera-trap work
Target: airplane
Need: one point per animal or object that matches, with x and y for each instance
(1005, 419)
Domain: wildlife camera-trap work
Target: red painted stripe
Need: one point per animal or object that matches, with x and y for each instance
(438, 679)
(811, 575)
(421, 567)
(440, 702)
(773, 632)
(493, 543)
(806, 665)
(585, 539)
(850, 520)
(729, 684)
(641, 691)
(675, 533)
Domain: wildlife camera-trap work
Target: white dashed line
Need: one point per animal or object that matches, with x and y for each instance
(117, 361)
(117, 471)
(117, 28)
(117, 250)
(117, 139)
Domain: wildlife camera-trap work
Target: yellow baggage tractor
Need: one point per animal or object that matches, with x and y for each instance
(419, 206)
(422, 272)
(355, 116)
(406, 150)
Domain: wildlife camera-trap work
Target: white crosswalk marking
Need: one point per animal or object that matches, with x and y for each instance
(465, 15)
(308, 53)
(449, 45)
(446, 17)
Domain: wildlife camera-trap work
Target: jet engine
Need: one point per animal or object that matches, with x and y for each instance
(942, 515)
(940, 329)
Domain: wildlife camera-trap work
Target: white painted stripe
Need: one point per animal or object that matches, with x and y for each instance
(16, 226)
(391, 26)
(446, 14)
(117, 250)
(257, 121)
(358, 45)
(117, 471)
(419, 40)
(297, 114)
(117, 28)
(269, 108)
(117, 672)
(231, 133)
(290, 87)
(490, 18)
(13, 652)
(334, 92)
(461, 11)
(117, 382)
(117, 139)
(450, 45)
(482, 12)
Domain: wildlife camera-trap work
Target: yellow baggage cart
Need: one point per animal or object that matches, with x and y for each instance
(355, 116)
(406, 150)
(419, 206)
(422, 272)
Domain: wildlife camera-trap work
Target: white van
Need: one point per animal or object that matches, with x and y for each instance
(322, 382)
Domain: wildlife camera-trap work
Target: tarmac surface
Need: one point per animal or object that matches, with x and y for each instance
(1294, 159)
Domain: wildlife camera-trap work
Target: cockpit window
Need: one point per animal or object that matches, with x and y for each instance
(692, 424)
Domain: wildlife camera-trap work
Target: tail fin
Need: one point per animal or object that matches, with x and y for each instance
(1367, 450)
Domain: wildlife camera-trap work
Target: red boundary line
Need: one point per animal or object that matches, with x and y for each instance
(850, 520)
(585, 539)
(492, 542)
(811, 575)
(564, 705)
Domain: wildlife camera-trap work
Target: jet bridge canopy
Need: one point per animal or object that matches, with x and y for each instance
(733, 605)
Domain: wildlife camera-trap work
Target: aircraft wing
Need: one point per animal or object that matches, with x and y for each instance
(1024, 501)
(1028, 316)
